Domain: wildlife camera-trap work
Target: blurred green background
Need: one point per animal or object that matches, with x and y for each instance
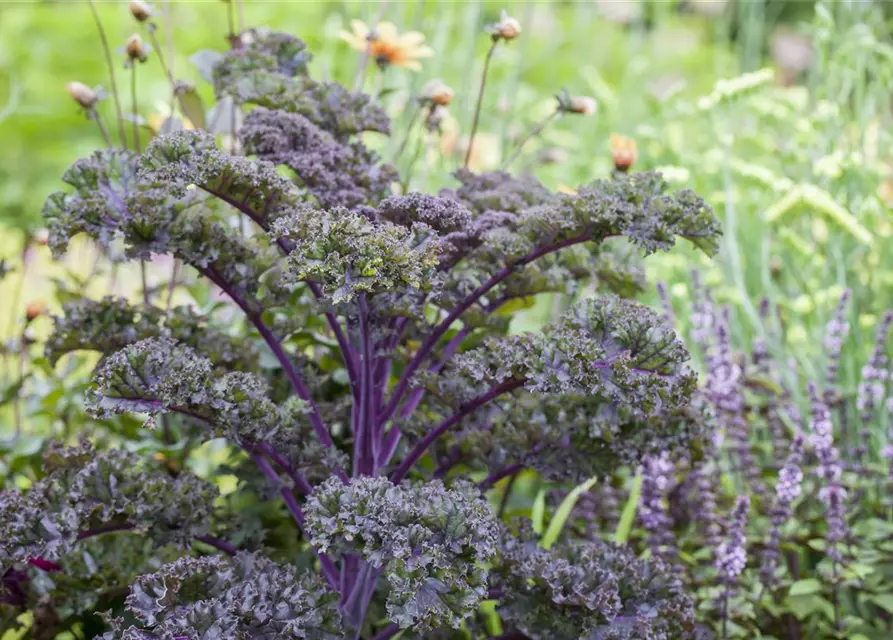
(795, 159)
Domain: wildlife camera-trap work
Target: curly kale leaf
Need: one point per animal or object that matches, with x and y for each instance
(217, 598)
(589, 590)
(348, 254)
(112, 323)
(184, 158)
(97, 205)
(519, 216)
(158, 375)
(336, 174)
(269, 70)
(613, 350)
(430, 542)
(86, 490)
(157, 213)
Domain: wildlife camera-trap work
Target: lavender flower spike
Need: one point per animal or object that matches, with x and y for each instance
(724, 386)
(657, 474)
(731, 557)
(829, 472)
(835, 332)
(790, 478)
(871, 389)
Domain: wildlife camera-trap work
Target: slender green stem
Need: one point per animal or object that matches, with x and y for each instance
(477, 108)
(240, 16)
(412, 121)
(145, 281)
(172, 285)
(111, 66)
(231, 19)
(535, 131)
(134, 108)
(364, 62)
(100, 123)
(168, 71)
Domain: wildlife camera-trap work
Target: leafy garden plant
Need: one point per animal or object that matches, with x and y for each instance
(363, 372)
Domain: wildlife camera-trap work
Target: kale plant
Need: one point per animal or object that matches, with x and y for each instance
(378, 392)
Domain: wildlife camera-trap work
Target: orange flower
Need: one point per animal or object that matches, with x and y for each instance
(386, 46)
(624, 152)
(35, 308)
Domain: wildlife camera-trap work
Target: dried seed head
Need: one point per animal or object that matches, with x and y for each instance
(34, 309)
(82, 94)
(437, 92)
(140, 10)
(435, 117)
(623, 152)
(136, 48)
(507, 28)
(583, 105)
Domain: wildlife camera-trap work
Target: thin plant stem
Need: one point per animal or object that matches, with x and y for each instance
(172, 285)
(94, 115)
(240, 16)
(144, 281)
(111, 67)
(410, 170)
(364, 62)
(169, 34)
(168, 70)
(412, 121)
(477, 108)
(231, 19)
(135, 110)
(534, 132)
(17, 405)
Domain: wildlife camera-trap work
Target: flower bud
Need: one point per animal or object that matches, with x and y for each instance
(82, 94)
(136, 48)
(624, 153)
(41, 237)
(584, 105)
(507, 28)
(437, 92)
(140, 10)
(34, 309)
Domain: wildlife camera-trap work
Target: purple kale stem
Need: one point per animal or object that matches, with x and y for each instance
(388, 632)
(347, 351)
(286, 363)
(217, 543)
(291, 503)
(343, 344)
(108, 528)
(358, 600)
(300, 481)
(417, 394)
(461, 308)
(467, 408)
(499, 474)
(364, 448)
